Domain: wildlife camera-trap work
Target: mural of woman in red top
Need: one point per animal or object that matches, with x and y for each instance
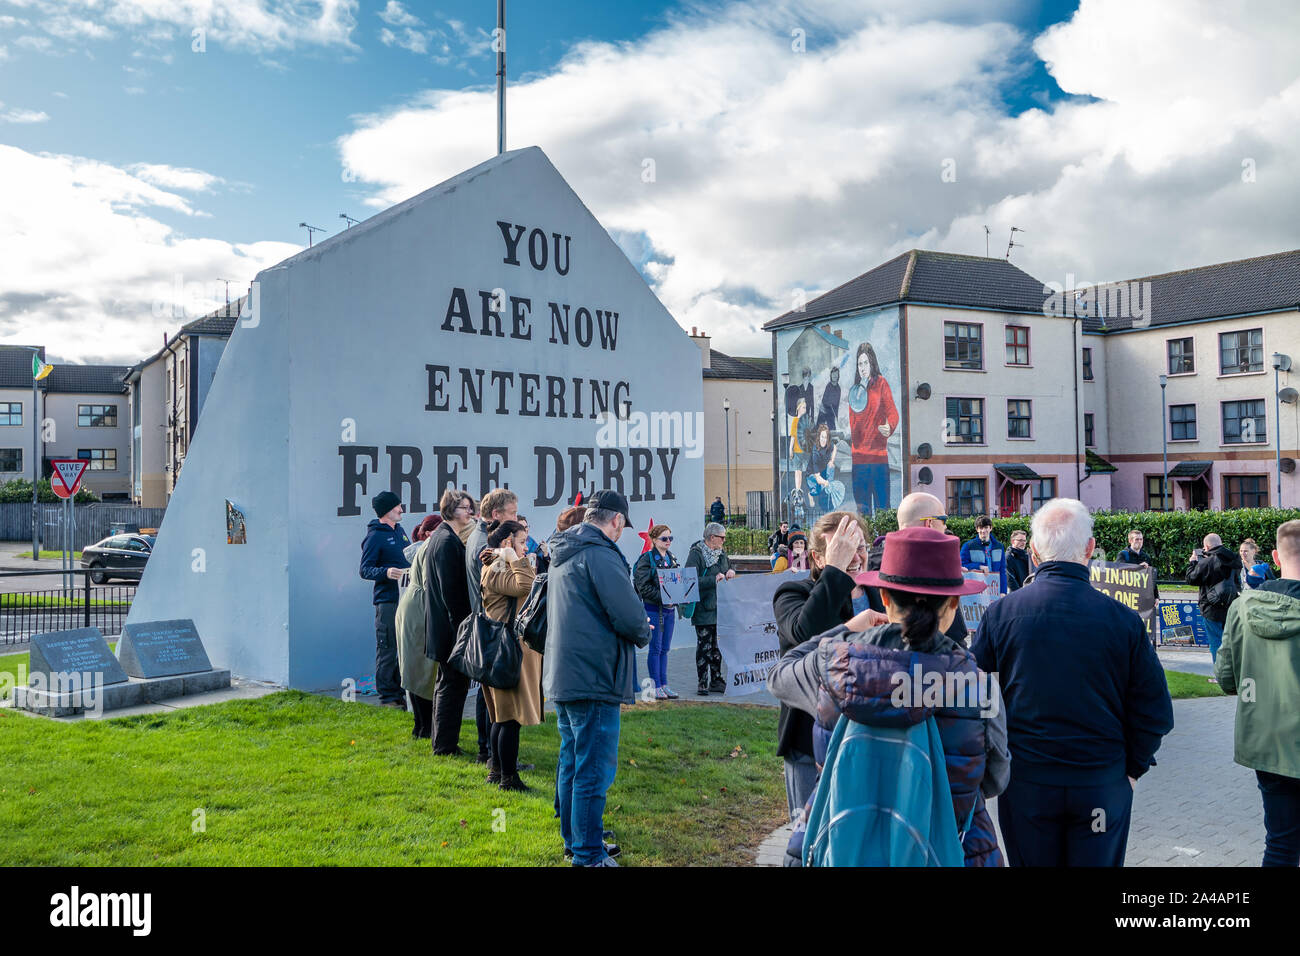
(872, 419)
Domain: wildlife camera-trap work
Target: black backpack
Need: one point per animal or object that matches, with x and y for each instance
(1224, 593)
(530, 622)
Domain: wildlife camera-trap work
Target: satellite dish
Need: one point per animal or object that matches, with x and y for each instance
(924, 476)
(1287, 465)
(1288, 396)
(924, 451)
(923, 391)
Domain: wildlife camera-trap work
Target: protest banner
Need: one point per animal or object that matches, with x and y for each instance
(678, 586)
(974, 605)
(1131, 585)
(747, 634)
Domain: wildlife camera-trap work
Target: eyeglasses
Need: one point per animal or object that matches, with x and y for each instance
(665, 538)
(943, 518)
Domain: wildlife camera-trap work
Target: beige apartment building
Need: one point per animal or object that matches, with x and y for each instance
(1212, 333)
(737, 424)
(1009, 391)
(167, 392)
(80, 413)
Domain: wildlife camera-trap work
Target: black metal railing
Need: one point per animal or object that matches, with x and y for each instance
(59, 608)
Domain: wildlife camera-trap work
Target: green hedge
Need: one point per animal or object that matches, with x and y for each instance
(1170, 535)
(19, 490)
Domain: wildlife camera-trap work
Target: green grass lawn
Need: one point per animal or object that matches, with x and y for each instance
(1183, 686)
(49, 600)
(298, 779)
(54, 555)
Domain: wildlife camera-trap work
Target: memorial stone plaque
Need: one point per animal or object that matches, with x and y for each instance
(82, 650)
(162, 649)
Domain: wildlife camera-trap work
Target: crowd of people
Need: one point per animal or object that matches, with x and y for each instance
(1072, 719)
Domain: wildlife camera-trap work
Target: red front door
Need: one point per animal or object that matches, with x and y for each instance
(1009, 500)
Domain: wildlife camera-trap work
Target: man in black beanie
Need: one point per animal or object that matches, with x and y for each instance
(383, 562)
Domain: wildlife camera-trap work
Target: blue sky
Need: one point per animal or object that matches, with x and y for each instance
(143, 159)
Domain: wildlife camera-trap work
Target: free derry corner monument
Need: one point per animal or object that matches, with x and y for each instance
(482, 333)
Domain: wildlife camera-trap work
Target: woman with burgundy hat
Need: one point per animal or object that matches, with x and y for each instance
(854, 670)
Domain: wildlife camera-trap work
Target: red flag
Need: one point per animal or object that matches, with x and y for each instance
(645, 536)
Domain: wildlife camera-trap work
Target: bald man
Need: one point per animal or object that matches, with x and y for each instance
(1214, 568)
(917, 510)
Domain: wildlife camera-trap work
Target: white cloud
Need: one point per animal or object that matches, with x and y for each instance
(254, 26)
(395, 15)
(776, 170)
(416, 41)
(39, 44)
(90, 269)
(175, 177)
(452, 46)
(15, 115)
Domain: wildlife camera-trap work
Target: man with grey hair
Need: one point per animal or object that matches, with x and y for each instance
(1086, 699)
(594, 623)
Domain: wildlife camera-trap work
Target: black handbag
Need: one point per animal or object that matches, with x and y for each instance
(530, 625)
(488, 651)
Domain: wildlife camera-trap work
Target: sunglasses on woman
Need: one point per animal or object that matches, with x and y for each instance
(665, 538)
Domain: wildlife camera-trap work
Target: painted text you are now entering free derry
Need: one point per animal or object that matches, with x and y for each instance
(641, 473)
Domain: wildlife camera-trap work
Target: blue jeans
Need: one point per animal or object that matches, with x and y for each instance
(871, 482)
(661, 639)
(588, 762)
(1281, 818)
(1214, 631)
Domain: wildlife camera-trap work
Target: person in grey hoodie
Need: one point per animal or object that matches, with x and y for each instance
(594, 623)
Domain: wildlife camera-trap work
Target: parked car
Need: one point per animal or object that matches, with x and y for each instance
(124, 554)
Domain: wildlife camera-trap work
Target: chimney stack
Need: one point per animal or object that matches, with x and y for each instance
(702, 340)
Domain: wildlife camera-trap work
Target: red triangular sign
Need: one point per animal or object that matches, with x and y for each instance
(66, 477)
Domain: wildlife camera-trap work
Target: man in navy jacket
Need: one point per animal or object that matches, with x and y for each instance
(383, 562)
(1086, 698)
(985, 552)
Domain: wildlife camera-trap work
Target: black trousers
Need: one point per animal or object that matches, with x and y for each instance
(388, 678)
(1065, 826)
(422, 708)
(707, 656)
(449, 694)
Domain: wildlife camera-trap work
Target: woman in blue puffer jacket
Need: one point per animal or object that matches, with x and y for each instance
(901, 673)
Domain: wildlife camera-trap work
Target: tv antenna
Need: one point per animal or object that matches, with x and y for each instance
(986, 241)
(349, 220)
(227, 282)
(311, 232)
(1011, 241)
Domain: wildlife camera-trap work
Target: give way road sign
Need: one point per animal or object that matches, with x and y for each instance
(66, 478)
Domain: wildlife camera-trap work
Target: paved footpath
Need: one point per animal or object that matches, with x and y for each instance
(1195, 807)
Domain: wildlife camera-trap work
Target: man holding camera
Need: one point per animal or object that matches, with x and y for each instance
(1215, 569)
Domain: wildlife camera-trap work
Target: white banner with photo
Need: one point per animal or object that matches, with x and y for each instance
(747, 634)
(974, 605)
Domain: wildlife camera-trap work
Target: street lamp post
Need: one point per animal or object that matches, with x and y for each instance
(785, 417)
(1164, 446)
(726, 412)
(36, 461)
(772, 416)
(1280, 362)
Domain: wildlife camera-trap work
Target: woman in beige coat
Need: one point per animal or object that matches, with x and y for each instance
(506, 579)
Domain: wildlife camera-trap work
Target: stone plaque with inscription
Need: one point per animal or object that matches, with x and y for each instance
(162, 649)
(82, 650)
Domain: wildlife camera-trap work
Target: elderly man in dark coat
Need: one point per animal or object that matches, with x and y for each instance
(1086, 698)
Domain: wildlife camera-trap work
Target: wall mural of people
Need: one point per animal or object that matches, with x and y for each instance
(841, 448)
